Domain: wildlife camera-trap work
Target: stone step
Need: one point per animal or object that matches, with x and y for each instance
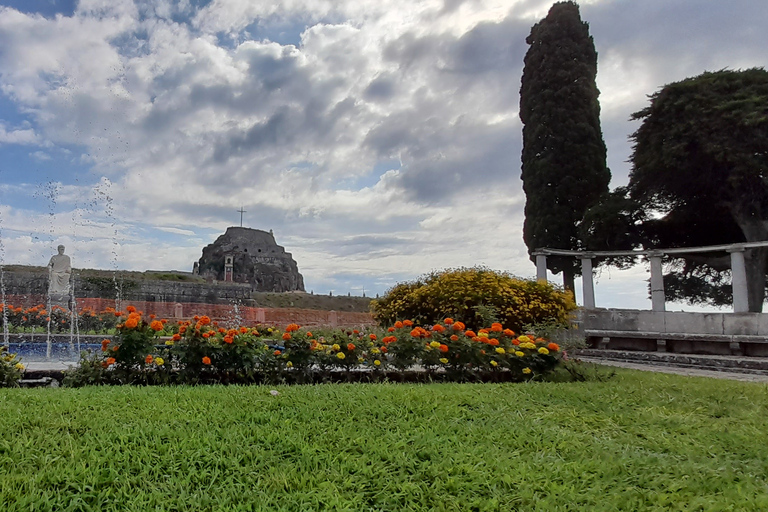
(734, 364)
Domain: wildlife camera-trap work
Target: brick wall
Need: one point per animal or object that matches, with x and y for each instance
(223, 313)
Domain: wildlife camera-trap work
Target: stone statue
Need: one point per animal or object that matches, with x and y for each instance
(59, 272)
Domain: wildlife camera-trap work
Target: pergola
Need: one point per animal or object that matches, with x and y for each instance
(738, 270)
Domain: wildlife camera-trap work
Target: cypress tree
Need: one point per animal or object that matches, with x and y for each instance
(563, 162)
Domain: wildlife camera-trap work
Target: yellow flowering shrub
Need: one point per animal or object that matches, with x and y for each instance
(462, 294)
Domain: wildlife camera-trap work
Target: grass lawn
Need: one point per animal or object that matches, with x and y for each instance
(641, 441)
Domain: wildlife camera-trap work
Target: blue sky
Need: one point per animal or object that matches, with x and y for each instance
(378, 140)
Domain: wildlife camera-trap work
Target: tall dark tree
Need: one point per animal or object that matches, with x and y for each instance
(700, 177)
(564, 170)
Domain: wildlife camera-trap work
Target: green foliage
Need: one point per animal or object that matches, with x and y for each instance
(467, 294)
(641, 441)
(11, 368)
(564, 168)
(90, 371)
(700, 163)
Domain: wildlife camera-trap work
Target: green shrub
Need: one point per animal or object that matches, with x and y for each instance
(11, 369)
(473, 296)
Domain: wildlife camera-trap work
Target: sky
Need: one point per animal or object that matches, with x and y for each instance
(378, 139)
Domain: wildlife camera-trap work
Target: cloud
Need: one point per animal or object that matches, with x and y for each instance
(378, 139)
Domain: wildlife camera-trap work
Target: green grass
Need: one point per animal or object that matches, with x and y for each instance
(640, 441)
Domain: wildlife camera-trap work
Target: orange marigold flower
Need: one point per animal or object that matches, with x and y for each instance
(309, 334)
(130, 309)
(509, 332)
(118, 313)
(104, 344)
(383, 350)
(152, 316)
(399, 325)
(419, 332)
(176, 337)
(372, 336)
(438, 328)
(206, 335)
(407, 323)
(554, 347)
(131, 323)
(448, 321)
(206, 360)
(204, 320)
(515, 342)
(277, 352)
(291, 328)
(470, 334)
(229, 339)
(355, 331)
(286, 336)
(391, 329)
(454, 337)
(110, 361)
(458, 326)
(350, 346)
(243, 330)
(496, 327)
(482, 331)
(494, 342)
(149, 359)
(482, 352)
(443, 347)
(156, 325)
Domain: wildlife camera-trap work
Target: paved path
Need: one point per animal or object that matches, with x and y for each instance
(691, 372)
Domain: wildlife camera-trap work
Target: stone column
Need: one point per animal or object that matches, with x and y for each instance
(333, 318)
(657, 281)
(739, 277)
(541, 267)
(587, 284)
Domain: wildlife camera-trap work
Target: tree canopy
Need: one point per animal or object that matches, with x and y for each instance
(699, 177)
(564, 168)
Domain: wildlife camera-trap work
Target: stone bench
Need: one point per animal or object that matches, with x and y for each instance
(735, 344)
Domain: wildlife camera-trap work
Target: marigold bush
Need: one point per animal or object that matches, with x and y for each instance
(468, 294)
(203, 351)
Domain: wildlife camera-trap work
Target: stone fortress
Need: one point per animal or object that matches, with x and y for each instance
(250, 256)
(239, 263)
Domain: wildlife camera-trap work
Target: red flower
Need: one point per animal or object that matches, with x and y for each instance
(350, 346)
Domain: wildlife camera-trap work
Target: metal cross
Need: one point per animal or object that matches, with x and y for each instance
(241, 215)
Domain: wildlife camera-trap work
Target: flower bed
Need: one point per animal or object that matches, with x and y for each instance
(153, 351)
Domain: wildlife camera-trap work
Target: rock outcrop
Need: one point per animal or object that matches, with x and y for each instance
(245, 255)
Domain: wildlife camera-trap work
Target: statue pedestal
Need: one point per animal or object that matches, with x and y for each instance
(59, 299)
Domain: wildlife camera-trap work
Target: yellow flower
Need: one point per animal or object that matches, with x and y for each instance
(336, 347)
(523, 339)
(289, 364)
(543, 351)
(20, 366)
(159, 361)
(443, 360)
(494, 363)
(377, 362)
(341, 355)
(435, 344)
(169, 342)
(526, 371)
(482, 335)
(500, 350)
(270, 329)
(520, 354)
(374, 351)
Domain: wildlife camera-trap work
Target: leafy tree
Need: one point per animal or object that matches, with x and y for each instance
(700, 177)
(564, 170)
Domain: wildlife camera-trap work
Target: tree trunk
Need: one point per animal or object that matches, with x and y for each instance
(756, 264)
